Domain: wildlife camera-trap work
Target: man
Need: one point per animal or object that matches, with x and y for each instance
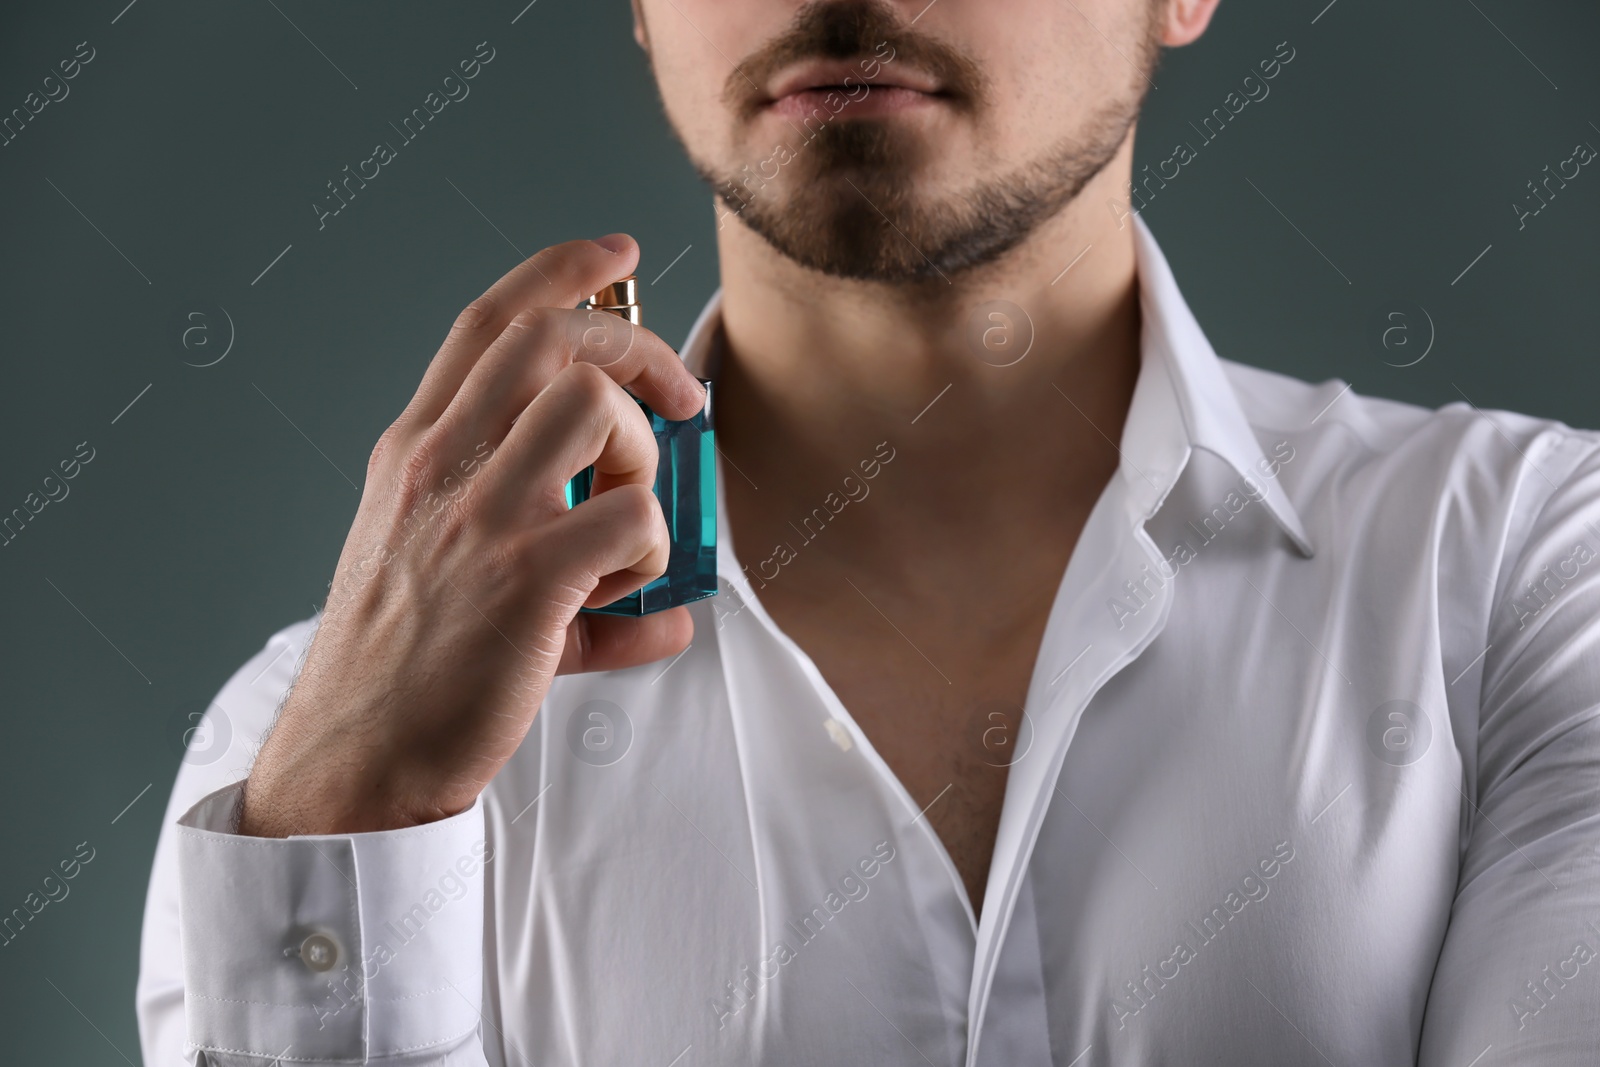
(1072, 696)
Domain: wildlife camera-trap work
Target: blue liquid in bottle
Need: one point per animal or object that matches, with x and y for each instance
(686, 487)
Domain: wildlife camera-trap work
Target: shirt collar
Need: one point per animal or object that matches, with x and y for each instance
(1182, 399)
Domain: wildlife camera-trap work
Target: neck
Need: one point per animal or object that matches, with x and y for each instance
(818, 370)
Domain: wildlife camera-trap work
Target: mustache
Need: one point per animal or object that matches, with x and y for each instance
(847, 29)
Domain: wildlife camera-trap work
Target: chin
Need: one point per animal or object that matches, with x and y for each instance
(844, 203)
(871, 200)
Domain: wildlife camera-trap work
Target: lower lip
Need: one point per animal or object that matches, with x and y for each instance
(878, 100)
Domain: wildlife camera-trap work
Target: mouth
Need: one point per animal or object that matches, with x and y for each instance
(838, 88)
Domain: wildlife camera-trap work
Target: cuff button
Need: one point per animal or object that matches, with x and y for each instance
(319, 952)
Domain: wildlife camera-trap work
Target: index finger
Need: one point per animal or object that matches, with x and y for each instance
(562, 276)
(542, 344)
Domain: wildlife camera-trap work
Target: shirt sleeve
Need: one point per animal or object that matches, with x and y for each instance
(1518, 979)
(353, 948)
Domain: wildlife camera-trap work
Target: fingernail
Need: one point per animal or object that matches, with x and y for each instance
(613, 242)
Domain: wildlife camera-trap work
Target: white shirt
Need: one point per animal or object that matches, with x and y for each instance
(1309, 776)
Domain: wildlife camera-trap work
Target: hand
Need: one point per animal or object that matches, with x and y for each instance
(455, 600)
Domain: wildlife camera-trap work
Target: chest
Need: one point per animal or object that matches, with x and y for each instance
(941, 703)
(1206, 826)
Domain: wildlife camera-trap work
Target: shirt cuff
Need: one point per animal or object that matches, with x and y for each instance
(343, 947)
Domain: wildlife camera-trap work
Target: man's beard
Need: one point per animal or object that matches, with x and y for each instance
(848, 203)
(853, 209)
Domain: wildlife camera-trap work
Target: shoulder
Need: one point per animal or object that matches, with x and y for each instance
(1459, 446)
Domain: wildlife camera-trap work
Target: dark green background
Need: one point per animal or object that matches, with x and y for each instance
(201, 133)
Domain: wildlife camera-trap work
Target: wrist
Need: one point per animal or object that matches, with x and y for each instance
(295, 808)
(289, 794)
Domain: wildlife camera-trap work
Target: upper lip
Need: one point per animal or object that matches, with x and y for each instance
(830, 73)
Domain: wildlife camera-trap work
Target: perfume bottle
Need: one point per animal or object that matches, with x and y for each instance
(686, 486)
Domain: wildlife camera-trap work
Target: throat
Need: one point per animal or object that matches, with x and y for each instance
(917, 563)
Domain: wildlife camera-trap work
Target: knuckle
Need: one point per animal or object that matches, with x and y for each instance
(588, 383)
(528, 319)
(640, 507)
(383, 448)
(528, 324)
(543, 328)
(417, 468)
(475, 315)
(607, 339)
(549, 501)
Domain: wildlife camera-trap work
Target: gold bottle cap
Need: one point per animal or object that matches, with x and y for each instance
(620, 298)
(622, 293)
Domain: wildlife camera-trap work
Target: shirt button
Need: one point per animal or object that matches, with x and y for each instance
(838, 734)
(319, 952)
